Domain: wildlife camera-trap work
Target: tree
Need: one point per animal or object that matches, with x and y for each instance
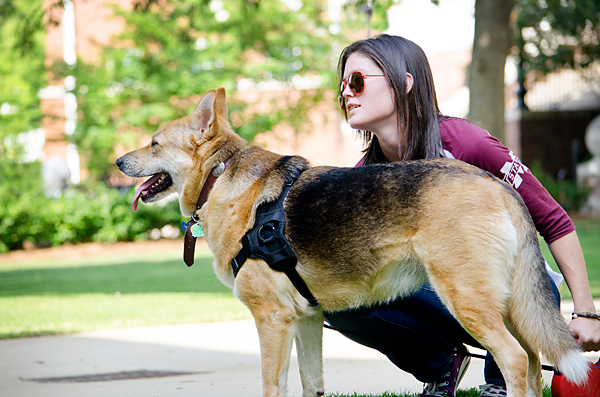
(555, 34)
(22, 72)
(547, 35)
(168, 55)
(372, 13)
(491, 45)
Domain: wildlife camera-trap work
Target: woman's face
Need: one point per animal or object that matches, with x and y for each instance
(373, 109)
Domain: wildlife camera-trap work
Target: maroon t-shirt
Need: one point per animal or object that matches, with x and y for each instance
(463, 141)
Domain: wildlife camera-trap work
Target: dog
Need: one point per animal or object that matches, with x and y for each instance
(362, 236)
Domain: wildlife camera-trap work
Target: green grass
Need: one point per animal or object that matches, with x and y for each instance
(474, 392)
(119, 291)
(109, 292)
(588, 231)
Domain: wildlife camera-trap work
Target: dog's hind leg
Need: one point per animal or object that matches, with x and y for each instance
(479, 310)
(489, 330)
(512, 361)
(309, 345)
(534, 379)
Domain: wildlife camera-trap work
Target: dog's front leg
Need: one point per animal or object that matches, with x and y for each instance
(275, 333)
(309, 344)
(257, 286)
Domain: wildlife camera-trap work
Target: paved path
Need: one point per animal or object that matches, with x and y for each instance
(220, 359)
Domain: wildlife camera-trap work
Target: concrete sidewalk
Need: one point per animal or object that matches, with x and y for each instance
(216, 359)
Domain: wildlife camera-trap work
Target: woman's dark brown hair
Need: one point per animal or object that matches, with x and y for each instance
(417, 111)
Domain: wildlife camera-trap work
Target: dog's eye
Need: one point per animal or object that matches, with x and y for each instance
(154, 143)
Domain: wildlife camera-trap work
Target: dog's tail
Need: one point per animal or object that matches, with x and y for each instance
(534, 312)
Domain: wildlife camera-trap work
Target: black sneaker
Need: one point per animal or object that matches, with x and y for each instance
(446, 385)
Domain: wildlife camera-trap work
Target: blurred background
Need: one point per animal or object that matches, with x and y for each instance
(84, 81)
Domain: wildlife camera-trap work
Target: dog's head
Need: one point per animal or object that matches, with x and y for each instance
(182, 153)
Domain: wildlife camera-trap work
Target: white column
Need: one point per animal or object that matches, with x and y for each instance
(70, 57)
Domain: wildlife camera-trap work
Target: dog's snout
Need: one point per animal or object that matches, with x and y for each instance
(120, 161)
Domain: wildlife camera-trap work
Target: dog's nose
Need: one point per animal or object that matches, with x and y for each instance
(120, 161)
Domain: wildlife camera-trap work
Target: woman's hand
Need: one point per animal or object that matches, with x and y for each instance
(586, 332)
(569, 258)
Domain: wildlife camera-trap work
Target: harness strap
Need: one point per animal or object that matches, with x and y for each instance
(266, 240)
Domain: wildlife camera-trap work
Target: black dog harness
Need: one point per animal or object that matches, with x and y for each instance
(266, 241)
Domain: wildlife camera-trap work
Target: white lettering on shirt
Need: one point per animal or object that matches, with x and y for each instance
(512, 169)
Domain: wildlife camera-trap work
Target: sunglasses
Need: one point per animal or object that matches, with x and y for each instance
(356, 82)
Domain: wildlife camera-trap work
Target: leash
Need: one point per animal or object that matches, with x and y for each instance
(545, 367)
(192, 229)
(452, 351)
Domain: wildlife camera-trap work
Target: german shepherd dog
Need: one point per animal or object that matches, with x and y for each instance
(364, 236)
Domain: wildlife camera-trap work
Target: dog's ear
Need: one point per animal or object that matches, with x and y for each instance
(203, 115)
(221, 104)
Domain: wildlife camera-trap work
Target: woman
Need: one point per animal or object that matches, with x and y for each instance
(387, 94)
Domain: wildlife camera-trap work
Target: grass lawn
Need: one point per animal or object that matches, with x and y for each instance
(459, 393)
(588, 231)
(116, 290)
(111, 291)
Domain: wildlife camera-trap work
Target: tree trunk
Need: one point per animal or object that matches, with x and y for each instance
(492, 41)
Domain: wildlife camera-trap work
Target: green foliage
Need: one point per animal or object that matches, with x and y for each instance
(153, 72)
(80, 215)
(370, 14)
(157, 68)
(566, 192)
(22, 72)
(552, 34)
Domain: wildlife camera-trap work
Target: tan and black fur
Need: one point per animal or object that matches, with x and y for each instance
(365, 236)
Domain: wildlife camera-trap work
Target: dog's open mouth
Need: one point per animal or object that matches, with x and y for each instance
(154, 185)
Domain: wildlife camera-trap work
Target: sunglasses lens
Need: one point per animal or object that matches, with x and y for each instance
(341, 93)
(356, 82)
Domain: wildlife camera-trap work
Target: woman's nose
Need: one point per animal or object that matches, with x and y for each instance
(347, 91)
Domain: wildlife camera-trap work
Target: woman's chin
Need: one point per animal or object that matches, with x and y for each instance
(355, 124)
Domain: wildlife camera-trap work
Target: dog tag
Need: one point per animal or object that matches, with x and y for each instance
(184, 226)
(197, 230)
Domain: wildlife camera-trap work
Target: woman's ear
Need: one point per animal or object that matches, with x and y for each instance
(409, 82)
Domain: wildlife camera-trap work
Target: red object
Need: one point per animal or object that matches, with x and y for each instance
(561, 387)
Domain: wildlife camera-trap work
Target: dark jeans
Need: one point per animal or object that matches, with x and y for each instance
(417, 334)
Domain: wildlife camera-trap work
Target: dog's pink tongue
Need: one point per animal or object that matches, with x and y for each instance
(141, 188)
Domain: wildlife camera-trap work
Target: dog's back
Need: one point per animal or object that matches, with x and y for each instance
(357, 223)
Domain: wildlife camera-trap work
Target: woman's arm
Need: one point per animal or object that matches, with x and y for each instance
(569, 258)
